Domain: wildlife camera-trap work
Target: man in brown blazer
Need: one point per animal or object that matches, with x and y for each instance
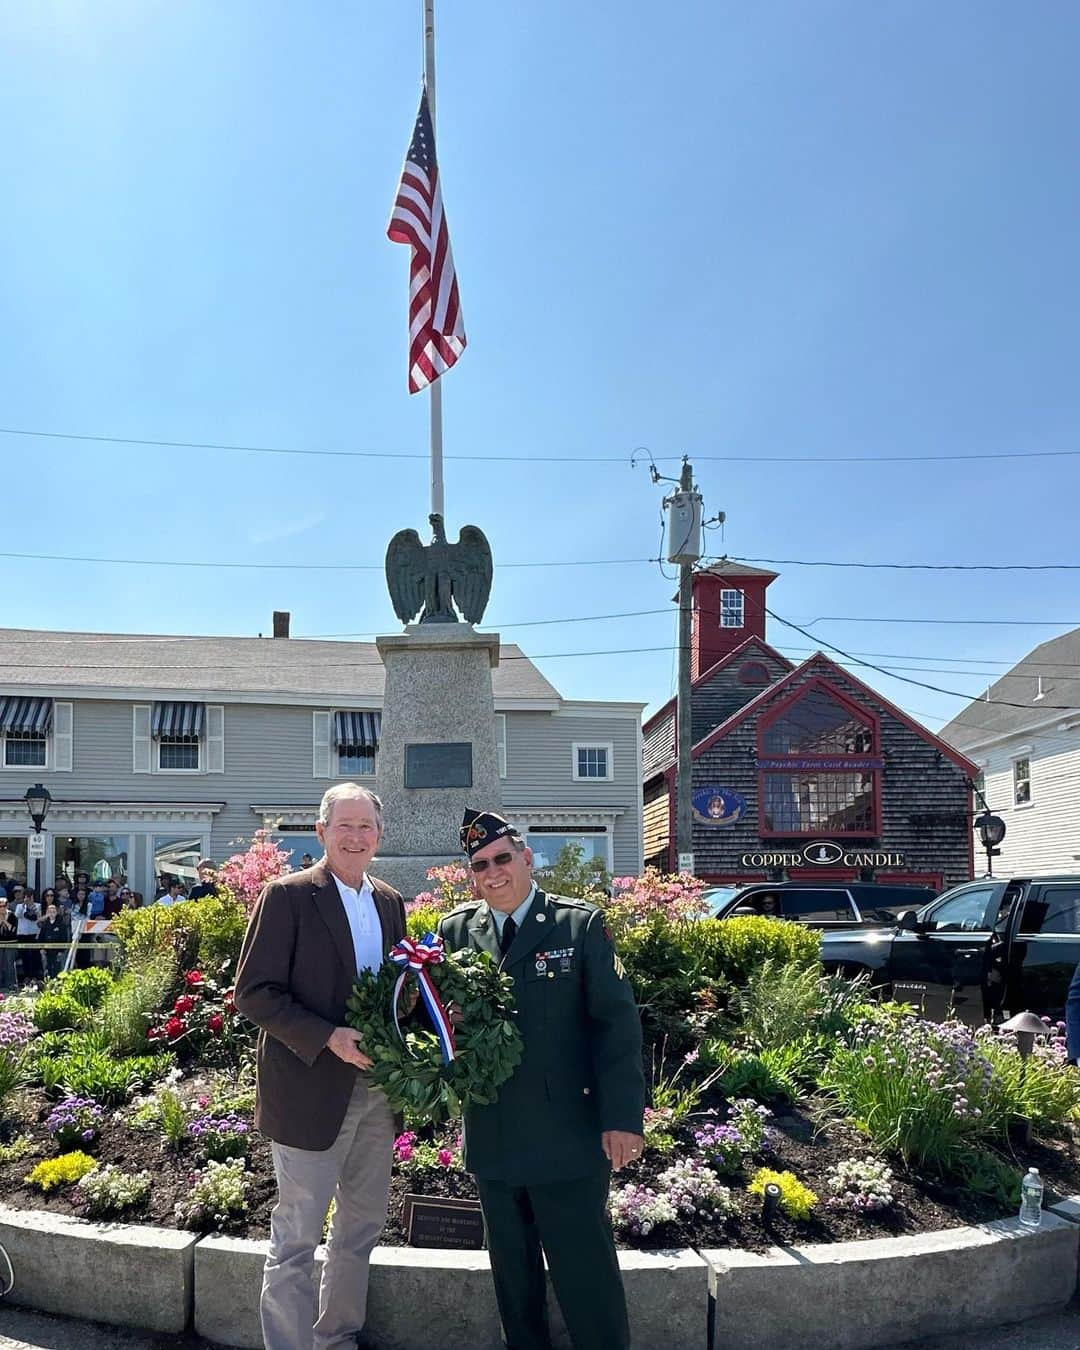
(331, 1129)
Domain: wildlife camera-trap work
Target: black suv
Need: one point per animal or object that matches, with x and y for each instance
(820, 904)
(984, 950)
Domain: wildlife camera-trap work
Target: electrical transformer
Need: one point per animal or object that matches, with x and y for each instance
(683, 523)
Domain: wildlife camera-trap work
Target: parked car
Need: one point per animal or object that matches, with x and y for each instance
(823, 905)
(984, 950)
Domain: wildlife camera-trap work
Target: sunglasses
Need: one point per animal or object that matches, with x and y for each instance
(500, 859)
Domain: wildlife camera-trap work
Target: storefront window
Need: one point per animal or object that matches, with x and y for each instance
(13, 857)
(818, 724)
(102, 857)
(547, 847)
(296, 844)
(175, 857)
(819, 803)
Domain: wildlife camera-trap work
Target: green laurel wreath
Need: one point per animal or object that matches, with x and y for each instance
(412, 1074)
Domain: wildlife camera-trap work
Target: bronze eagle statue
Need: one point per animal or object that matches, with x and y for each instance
(439, 575)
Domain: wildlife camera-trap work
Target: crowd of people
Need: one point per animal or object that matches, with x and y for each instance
(61, 912)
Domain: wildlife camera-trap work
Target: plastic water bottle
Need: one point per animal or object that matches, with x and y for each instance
(1031, 1196)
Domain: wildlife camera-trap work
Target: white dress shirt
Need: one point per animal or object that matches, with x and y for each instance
(364, 923)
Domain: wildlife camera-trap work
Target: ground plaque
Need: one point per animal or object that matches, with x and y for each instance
(443, 764)
(439, 1221)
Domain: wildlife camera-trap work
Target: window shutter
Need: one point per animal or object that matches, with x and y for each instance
(500, 742)
(215, 738)
(62, 737)
(320, 745)
(140, 739)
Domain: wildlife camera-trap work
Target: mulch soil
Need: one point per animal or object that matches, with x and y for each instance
(806, 1143)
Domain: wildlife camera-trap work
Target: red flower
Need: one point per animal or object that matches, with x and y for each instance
(184, 1004)
(216, 1023)
(193, 978)
(228, 1000)
(175, 1027)
(154, 1033)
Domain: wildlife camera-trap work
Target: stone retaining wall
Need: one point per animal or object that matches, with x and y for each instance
(847, 1296)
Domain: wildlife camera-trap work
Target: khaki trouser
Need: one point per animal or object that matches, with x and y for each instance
(355, 1172)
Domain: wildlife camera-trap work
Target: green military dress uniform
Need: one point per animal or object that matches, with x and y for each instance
(536, 1152)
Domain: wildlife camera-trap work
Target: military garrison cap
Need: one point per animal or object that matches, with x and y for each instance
(479, 828)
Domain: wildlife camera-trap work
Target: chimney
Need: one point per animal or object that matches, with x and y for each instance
(281, 623)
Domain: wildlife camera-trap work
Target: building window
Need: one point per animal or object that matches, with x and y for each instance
(593, 843)
(24, 749)
(819, 803)
(592, 762)
(754, 672)
(174, 860)
(731, 609)
(819, 766)
(35, 733)
(356, 735)
(178, 752)
(101, 857)
(1022, 781)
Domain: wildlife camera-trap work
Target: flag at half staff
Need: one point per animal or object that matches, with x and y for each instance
(436, 331)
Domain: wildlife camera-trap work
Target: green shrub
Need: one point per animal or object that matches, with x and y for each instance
(777, 1004)
(60, 1171)
(197, 932)
(741, 1074)
(56, 1009)
(1042, 1089)
(126, 1015)
(919, 1088)
(88, 986)
(89, 1071)
(796, 1200)
(987, 1174)
(741, 946)
(423, 919)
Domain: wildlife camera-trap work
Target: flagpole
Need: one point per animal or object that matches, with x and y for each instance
(435, 388)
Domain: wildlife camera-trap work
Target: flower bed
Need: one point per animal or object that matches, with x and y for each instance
(762, 1072)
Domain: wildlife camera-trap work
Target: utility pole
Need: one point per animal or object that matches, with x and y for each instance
(684, 548)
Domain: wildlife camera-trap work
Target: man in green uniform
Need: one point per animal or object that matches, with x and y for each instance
(543, 1152)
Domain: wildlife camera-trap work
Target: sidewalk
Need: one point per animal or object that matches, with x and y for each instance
(20, 1330)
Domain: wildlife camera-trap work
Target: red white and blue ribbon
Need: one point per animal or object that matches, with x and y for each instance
(412, 955)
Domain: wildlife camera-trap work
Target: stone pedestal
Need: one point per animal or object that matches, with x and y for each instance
(438, 692)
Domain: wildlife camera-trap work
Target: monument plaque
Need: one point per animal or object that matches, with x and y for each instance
(439, 1221)
(445, 764)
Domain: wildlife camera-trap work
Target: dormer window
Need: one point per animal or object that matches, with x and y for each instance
(731, 609)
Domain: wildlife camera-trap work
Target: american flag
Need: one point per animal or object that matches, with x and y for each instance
(436, 332)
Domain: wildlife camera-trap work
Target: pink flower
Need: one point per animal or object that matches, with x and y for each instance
(203, 1101)
(193, 978)
(216, 1023)
(446, 1158)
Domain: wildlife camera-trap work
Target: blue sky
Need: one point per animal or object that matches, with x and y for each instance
(807, 230)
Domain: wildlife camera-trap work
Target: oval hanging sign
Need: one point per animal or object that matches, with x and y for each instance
(717, 806)
(824, 852)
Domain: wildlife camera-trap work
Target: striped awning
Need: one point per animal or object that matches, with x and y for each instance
(177, 719)
(25, 716)
(357, 730)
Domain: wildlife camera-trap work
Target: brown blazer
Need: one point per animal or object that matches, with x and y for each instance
(295, 974)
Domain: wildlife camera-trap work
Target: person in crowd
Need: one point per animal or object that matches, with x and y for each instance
(63, 892)
(135, 900)
(52, 927)
(306, 860)
(331, 1128)
(173, 895)
(113, 900)
(207, 884)
(8, 937)
(96, 902)
(27, 913)
(80, 912)
(4, 885)
(542, 1153)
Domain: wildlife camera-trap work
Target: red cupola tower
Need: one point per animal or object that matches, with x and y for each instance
(729, 607)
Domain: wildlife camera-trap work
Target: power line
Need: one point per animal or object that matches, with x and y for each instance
(934, 688)
(502, 458)
(912, 567)
(293, 567)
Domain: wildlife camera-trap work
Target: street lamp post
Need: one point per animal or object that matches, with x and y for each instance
(991, 830)
(37, 803)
